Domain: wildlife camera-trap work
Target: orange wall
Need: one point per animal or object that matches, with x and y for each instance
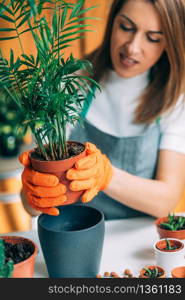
(79, 47)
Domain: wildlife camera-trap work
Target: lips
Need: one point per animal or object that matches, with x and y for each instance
(127, 61)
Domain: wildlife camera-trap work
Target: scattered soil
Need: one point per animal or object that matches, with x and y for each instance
(73, 149)
(17, 252)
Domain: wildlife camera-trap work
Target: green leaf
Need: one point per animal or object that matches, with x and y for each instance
(155, 272)
(167, 226)
(60, 48)
(33, 7)
(7, 38)
(2, 255)
(24, 20)
(77, 20)
(68, 40)
(54, 24)
(5, 8)
(21, 15)
(29, 58)
(63, 36)
(11, 58)
(5, 17)
(64, 15)
(83, 11)
(76, 9)
(75, 27)
(1, 6)
(29, 29)
(7, 29)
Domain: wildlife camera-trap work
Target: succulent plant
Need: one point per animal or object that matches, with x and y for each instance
(169, 246)
(152, 273)
(174, 223)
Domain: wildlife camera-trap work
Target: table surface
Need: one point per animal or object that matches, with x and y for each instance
(128, 244)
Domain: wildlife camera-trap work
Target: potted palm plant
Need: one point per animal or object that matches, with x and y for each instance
(48, 88)
(171, 226)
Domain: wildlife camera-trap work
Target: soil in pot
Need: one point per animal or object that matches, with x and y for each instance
(17, 252)
(59, 167)
(73, 149)
(22, 252)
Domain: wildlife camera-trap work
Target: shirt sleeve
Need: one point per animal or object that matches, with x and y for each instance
(173, 128)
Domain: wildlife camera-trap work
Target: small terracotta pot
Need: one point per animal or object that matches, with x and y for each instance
(142, 272)
(161, 245)
(178, 272)
(24, 269)
(59, 169)
(165, 233)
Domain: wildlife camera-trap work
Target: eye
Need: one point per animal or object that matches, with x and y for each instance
(153, 40)
(126, 28)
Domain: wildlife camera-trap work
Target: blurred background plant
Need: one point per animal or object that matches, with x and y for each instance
(12, 134)
(6, 267)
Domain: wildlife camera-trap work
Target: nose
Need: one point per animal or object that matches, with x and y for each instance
(134, 45)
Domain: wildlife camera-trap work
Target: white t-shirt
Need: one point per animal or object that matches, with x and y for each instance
(112, 111)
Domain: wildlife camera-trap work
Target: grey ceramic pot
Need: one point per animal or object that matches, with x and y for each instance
(72, 242)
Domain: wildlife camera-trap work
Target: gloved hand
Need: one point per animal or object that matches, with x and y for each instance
(43, 191)
(91, 173)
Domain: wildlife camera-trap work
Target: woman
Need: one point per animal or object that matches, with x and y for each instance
(137, 121)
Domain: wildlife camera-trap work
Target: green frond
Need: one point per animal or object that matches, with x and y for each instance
(46, 88)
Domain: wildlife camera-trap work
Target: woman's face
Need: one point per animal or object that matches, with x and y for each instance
(137, 40)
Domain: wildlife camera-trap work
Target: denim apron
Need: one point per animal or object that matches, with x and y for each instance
(136, 155)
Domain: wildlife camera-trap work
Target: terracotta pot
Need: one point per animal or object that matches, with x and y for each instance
(24, 269)
(178, 272)
(161, 245)
(169, 259)
(165, 233)
(59, 169)
(142, 272)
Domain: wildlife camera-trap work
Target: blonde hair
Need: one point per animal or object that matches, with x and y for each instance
(167, 76)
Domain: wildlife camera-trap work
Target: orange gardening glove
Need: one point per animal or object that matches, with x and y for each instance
(91, 174)
(43, 191)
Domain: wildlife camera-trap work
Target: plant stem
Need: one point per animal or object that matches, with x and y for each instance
(51, 147)
(64, 138)
(41, 146)
(61, 148)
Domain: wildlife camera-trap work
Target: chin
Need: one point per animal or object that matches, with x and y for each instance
(126, 73)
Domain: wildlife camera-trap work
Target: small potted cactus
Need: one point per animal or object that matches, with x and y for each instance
(152, 272)
(169, 253)
(171, 226)
(6, 268)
